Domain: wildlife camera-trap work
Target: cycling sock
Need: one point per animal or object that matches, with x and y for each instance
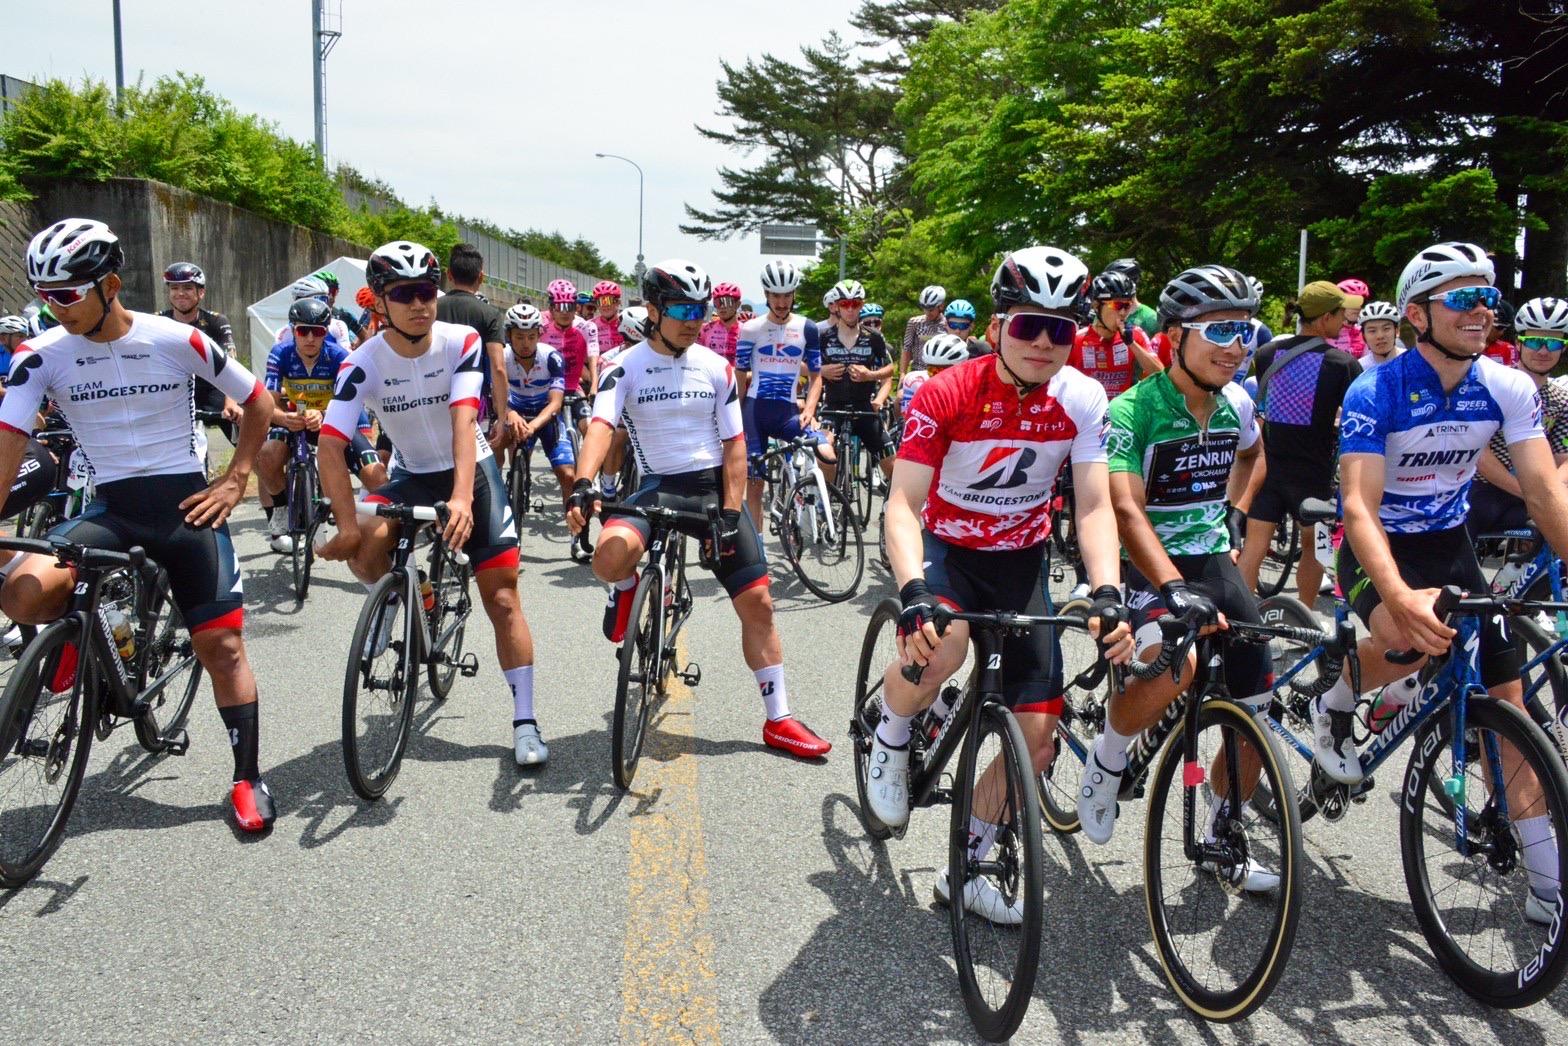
(623, 585)
(1540, 855)
(941, 706)
(1216, 808)
(244, 738)
(267, 510)
(1111, 749)
(1340, 698)
(770, 681)
(982, 836)
(521, 680)
(894, 728)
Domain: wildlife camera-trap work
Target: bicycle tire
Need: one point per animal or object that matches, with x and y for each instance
(1285, 560)
(1021, 878)
(44, 516)
(1076, 727)
(641, 660)
(1252, 990)
(517, 484)
(1541, 966)
(62, 758)
(442, 668)
(1551, 692)
(300, 506)
(864, 497)
(167, 645)
(842, 541)
(371, 782)
(875, 656)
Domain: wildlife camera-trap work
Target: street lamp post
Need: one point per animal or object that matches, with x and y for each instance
(639, 268)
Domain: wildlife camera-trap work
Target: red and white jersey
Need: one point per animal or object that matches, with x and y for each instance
(413, 397)
(678, 410)
(1108, 361)
(996, 456)
(128, 401)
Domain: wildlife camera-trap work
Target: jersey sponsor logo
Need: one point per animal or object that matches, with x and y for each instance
(1430, 458)
(349, 379)
(1005, 468)
(88, 361)
(398, 405)
(667, 395)
(136, 356)
(1191, 471)
(1447, 430)
(96, 390)
(1355, 423)
(1470, 405)
(919, 426)
(1425, 410)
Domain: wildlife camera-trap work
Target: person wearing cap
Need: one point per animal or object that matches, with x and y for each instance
(1302, 380)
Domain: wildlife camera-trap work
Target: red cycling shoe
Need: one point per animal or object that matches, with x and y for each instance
(251, 803)
(791, 735)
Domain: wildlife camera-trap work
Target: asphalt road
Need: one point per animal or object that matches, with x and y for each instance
(732, 896)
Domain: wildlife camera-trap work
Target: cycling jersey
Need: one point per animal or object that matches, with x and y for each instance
(1504, 352)
(128, 401)
(917, 331)
(1371, 362)
(1349, 339)
(216, 326)
(1300, 399)
(773, 354)
(870, 351)
(609, 332)
(678, 410)
(297, 386)
(530, 381)
(908, 385)
(1430, 439)
(1184, 466)
(413, 397)
(577, 344)
(721, 337)
(1554, 423)
(996, 456)
(1108, 361)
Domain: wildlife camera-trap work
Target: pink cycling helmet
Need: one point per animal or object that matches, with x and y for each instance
(606, 288)
(1356, 287)
(726, 290)
(562, 292)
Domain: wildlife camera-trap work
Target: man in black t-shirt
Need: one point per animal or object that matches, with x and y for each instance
(462, 304)
(187, 286)
(857, 375)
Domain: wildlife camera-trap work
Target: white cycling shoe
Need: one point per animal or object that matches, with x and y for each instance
(1097, 800)
(1332, 747)
(528, 745)
(278, 536)
(1253, 878)
(983, 898)
(887, 783)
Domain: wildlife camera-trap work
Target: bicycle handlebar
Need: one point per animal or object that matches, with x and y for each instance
(436, 513)
(786, 449)
(1003, 621)
(80, 555)
(1451, 600)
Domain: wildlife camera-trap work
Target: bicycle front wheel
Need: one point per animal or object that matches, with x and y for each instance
(1470, 878)
(1223, 922)
(378, 690)
(878, 650)
(638, 679)
(822, 540)
(997, 962)
(1083, 714)
(301, 507)
(46, 718)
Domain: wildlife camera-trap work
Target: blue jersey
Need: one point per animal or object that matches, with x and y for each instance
(530, 381)
(297, 386)
(1431, 439)
(773, 353)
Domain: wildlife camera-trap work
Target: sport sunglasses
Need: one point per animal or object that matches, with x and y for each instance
(960, 325)
(851, 303)
(1466, 298)
(1540, 344)
(408, 293)
(65, 297)
(1028, 326)
(1222, 332)
(686, 311)
(310, 330)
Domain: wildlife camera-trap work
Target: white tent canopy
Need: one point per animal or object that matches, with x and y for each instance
(269, 315)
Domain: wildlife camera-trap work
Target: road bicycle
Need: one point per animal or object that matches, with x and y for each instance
(119, 654)
(813, 521)
(857, 470)
(412, 620)
(307, 509)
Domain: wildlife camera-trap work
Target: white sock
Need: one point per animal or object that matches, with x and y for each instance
(521, 680)
(1340, 698)
(894, 728)
(1111, 748)
(1540, 855)
(770, 681)
(982, 836)
(940, 707)
(1216, 805)
(621, 586)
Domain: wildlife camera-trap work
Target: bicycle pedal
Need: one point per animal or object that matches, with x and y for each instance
(468, 665)
(178, 744)
(692, 675)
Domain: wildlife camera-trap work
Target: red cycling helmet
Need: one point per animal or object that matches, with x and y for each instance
(364, 297)
(726, 290)
(1356, 287)
(607, 289)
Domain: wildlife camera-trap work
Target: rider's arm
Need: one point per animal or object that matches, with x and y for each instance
(1095, 517)
(1544, 495)
(1492, 469)
(813, 393)
(1361, 489)
(1137, 534)
(19, 410)
(495, 356)
(234, 380)
(735, 473)
(907, 492)
(551, 408)
(1246, 476)
(13, 444)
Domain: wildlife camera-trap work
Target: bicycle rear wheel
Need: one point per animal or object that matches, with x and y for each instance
(168, 657)
(449, 613)
(638, 679)
(45, 737)
(822, 540)
(1545, 680)
(1280, 559)
(878, 650)
(1223, 949)
(1470, 898)
(996, 964)
(378, 689)
(302, 505)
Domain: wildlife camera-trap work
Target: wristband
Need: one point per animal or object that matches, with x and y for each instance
(914, 591)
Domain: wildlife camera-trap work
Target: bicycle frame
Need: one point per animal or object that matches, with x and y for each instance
(302, 457)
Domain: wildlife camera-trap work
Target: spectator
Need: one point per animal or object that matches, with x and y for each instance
(465, 274)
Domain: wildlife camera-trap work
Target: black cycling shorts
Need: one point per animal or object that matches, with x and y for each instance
(1493, 511)
(493, 543)
(1432, 560)
(873, 434)
(1281, 496)
(745, 568)
(357, 452)
(36, 478)
(997, 582)
(204, 572)
(1247, 665)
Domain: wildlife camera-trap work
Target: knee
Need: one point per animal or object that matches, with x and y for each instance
(221, 652)
(755, 607)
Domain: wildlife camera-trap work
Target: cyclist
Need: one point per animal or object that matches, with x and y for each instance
(723, 331)
(585, 306)
(1112, 349)
(13, 331)
(1349, 337)
(968, 521)
(871, 315)
(355, 329)
(1302, 380)
(314, 287)
(830, 300)
(769, 353)
(1502, 343)
(423, 379)
(1142, 316)
(1182, 444)
(1411, 434)
(746, 311)
(186, 284)
(300, 375)
(682, 410)
(537, 380)
(1380, 331)
(576, 339)
(959, 318)
(151, 487)
(922, 325)
(634, 320)
(463, 304)
(940, 352)
(369, 318)
(857, 374)
(607, 315)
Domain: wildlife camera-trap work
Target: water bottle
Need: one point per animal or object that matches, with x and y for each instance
(1391, 699)
(120, 628)
(427, 593)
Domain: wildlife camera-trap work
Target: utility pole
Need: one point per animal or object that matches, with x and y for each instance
(843, 210)
(322, 40)
(119, 59)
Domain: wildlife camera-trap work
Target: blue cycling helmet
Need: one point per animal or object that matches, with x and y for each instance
(959, 309)
(584, 298)
(871, 311)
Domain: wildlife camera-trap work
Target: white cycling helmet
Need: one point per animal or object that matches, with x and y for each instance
(1043, 276)
(832, 298)
(401, 260)
(74, 249)
(1537, 314)
(944, 350)
(523, 317)
(634, 323)
(1256, 285)
(308, 287)
(933, 296)
(851, 289)
(15, 325)
(1437, 265)
(780, 277)
(1379, 310)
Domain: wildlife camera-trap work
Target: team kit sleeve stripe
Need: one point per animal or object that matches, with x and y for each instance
(328, 430)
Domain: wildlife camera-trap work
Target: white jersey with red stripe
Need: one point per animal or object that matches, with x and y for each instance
(413, 396)
(129, 401)
(678, 410)
(996, 456)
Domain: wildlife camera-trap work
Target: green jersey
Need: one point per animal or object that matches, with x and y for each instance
(1184, 465)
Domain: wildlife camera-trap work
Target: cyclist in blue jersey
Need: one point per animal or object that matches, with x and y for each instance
(536, 388)
(1412, 432)
(769, 353)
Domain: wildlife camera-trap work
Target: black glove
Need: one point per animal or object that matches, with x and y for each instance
(1128, 335)
(1236, 524)
(1107, 606)
(1184, 603)
(582, 498)
(918, 603)
(729, 531)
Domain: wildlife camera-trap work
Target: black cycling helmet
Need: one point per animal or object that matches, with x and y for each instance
(1503, 316)
(1112, 283)
(311, 312)
(1129, 266)
(185, 272)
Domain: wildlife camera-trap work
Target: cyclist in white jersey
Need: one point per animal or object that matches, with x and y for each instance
(633, 329)
(123, 380)
(679, 404)
(423, 378)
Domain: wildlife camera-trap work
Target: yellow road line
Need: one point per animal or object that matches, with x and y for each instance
(667, 976)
